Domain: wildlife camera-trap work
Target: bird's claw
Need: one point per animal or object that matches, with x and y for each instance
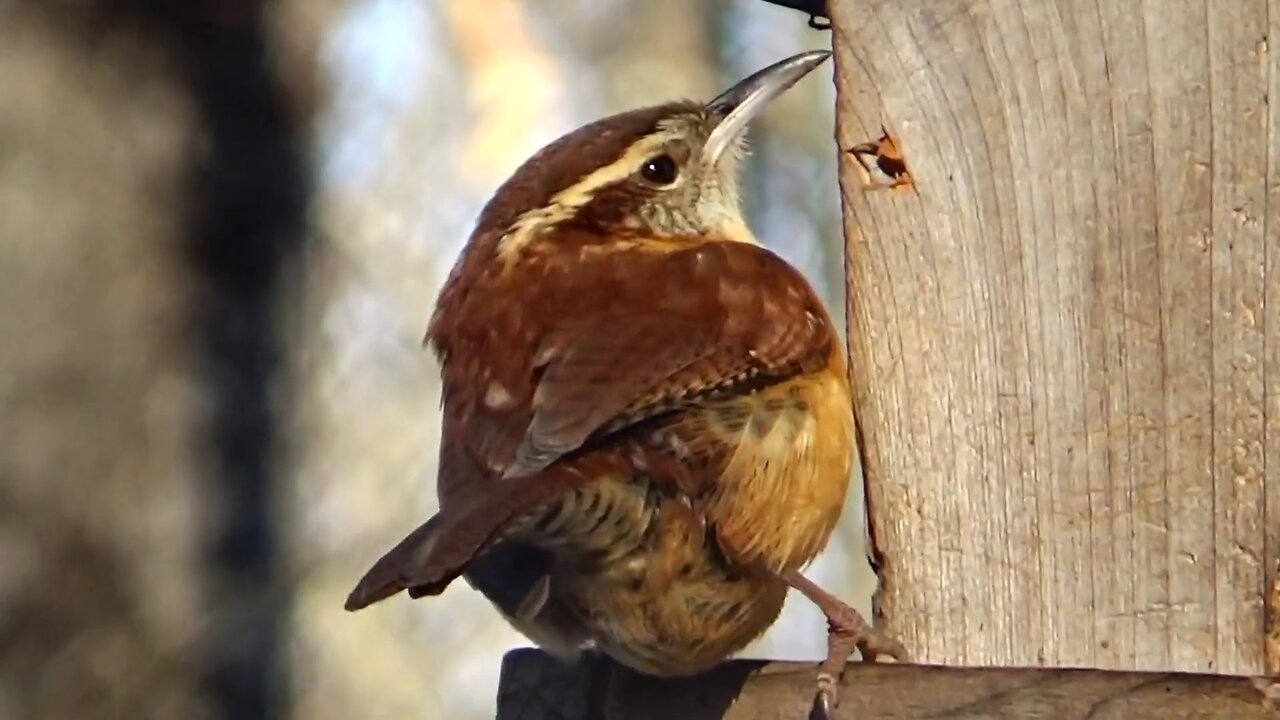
(844, 637)
(876, 643)
(825, 700)
(846, 631)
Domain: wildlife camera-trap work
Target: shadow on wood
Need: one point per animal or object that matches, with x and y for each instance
(536, 686)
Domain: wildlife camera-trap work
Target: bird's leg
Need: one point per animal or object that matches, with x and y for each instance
(846, 631)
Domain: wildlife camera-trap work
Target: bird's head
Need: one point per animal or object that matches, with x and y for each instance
(643, 176)
(668, 170)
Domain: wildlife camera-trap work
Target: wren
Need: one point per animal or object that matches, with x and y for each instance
(648, 425)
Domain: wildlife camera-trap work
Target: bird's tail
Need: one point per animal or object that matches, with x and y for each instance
(410, 565)
(436, 553)
(441, 549)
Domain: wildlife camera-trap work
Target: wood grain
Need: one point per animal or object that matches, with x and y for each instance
(1065, 336)
(535, 686)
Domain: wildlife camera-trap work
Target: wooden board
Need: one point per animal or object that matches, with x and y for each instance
(1066, 334)
(536, 686)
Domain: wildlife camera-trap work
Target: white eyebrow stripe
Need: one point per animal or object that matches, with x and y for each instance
(564, 204)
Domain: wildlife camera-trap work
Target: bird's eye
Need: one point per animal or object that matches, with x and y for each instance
(660, 170)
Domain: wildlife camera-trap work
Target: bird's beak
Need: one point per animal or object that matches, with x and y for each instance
(740, 104)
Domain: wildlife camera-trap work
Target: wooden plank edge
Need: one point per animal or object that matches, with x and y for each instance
(537, 686)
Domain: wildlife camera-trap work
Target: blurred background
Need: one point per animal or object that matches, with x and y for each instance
(222, 227)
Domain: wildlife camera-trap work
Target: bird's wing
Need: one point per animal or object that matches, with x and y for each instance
(711, 319)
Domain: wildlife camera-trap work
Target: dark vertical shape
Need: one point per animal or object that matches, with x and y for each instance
(815, 9)
(250, 190)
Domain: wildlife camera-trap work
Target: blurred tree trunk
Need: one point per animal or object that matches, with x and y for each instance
(100, 477)
(151, 199)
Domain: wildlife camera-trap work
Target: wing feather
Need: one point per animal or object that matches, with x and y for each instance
(716, 317)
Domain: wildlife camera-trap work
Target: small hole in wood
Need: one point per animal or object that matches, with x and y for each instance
(883, 164)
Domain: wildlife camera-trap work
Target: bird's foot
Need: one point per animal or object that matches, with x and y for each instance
(847, 631)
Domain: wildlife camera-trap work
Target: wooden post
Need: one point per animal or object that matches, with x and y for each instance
(536, 686)
(1065, 331)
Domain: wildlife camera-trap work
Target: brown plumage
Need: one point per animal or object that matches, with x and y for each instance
(647, 419)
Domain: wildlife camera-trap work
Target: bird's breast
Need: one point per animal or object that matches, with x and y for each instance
(786, 455)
